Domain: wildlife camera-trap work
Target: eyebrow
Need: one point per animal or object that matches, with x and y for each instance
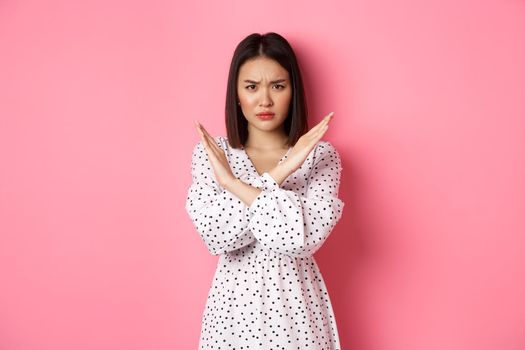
(257, 82)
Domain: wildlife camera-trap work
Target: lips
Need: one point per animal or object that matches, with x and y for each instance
(265, 116)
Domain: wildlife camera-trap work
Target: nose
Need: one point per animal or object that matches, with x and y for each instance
(266, 99)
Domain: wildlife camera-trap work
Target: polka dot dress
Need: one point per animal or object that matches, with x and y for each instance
(267, 291)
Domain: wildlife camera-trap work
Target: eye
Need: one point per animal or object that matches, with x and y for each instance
(248, 87)
(282, 86)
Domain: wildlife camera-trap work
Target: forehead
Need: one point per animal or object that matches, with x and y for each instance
(262, 67)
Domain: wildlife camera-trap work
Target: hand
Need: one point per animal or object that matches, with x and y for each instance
(306, 143)
(216, 157)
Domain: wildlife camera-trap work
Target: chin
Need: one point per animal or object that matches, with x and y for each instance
(265, 126)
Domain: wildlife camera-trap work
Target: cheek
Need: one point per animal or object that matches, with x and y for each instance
(285, 99)
(285, 95)
(246, 100)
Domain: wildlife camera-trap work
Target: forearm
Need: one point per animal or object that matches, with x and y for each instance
(243, 191)
(248, 193)
(280, 173)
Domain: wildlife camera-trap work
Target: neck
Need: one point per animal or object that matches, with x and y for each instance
(266, 140)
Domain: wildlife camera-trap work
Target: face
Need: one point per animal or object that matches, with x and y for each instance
(264, 85)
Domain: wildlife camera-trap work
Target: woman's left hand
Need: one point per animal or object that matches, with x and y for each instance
(216, 156)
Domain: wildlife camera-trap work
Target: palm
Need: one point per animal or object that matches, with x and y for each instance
(216, 157)
(306, 143)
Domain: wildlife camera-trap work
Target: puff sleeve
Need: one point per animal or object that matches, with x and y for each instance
(291, 224)
(219, 216)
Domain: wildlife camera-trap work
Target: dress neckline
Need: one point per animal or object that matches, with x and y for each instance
(253, 166)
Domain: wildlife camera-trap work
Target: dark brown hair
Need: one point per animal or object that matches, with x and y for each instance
(274, 46)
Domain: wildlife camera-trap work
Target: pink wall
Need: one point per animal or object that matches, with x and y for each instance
(97, 103)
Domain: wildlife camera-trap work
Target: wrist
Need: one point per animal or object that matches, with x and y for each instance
(285, 167)
(229, 184)
(280, 173)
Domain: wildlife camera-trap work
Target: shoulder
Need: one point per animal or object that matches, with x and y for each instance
(325, 150)
(221, 141)
(325, 146)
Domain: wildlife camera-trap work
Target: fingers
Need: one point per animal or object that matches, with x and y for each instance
(211, 141)
(199, 131)
(323, 122)
(203, 137)
(316, 136)
(327, 119)
(320, 127)
(208, 141)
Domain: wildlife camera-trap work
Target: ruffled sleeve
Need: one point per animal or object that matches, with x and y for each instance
(288, 223)
(219, 216)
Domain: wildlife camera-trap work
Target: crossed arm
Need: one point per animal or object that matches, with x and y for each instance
(230, 217)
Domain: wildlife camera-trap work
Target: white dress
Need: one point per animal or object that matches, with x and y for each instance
(267, 291)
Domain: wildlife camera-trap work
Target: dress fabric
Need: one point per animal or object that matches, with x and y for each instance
(267, 291)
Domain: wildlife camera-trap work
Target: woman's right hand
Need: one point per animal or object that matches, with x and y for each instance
(216, 156)
(306, 143)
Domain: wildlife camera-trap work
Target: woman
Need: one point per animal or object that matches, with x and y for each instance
(265, 199)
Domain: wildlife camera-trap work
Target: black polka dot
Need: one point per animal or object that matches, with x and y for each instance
(267, 292)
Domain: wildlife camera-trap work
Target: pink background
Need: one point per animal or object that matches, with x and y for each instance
(97, 103)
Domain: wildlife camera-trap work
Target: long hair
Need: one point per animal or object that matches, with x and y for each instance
(276, 47)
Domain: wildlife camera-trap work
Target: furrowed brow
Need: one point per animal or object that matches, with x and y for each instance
(257, 82)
